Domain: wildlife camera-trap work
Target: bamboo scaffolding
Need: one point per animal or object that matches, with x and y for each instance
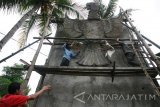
(64, 38)
(4, 59)
(156, 45)
(90, 71)
(139, 36)
(25, 83)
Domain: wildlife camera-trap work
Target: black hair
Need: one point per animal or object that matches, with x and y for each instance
(13, 87)
(68, 46)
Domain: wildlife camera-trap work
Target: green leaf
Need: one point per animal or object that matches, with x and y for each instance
(14, 74)
(4, 82)
(25, 29)
(106, 12)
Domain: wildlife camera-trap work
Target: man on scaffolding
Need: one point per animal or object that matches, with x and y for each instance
(68, 53)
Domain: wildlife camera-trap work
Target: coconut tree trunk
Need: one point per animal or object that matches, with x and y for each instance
(24, 85)
(16, 27)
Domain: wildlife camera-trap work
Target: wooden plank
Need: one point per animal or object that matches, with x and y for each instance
(84, 68)
(82, 73)
(64, 38)
(24, 62)
(90, 71)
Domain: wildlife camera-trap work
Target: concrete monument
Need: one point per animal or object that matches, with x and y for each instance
(95, 91)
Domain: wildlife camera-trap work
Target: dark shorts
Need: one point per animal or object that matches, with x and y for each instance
(65, 62)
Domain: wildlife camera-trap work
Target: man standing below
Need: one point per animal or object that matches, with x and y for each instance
(14, 98)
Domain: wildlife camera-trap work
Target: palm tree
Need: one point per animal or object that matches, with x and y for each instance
(38, 10)
(106, 12)
(42, 11)
(158, 56)
(15, 4)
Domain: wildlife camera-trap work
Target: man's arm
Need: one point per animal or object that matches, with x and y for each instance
(73, 54)
(45, 88)
(21, 100)
(64, 46)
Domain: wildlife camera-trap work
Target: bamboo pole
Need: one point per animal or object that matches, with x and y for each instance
(64, 38)
(25, 83)
(17, 25)
(156, 45)
(91, 71)
(4, 59)
(86, 68)
(155, 59)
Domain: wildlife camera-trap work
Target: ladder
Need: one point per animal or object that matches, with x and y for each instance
(144, 56)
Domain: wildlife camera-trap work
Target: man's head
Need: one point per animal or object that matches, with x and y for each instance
(68, 46)
(14, 88)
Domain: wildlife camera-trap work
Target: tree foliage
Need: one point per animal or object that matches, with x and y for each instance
(4, 82)
(158, 55)
(39, 16)
(11, 74)
(106, 12)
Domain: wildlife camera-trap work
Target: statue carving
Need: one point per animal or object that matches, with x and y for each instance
(93, 28)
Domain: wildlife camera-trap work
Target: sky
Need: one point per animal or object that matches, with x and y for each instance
(146, 19)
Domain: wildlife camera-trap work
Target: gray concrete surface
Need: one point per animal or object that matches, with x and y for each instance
(95, 91)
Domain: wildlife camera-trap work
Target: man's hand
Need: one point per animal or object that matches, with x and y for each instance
(117, 39)
(46, 88)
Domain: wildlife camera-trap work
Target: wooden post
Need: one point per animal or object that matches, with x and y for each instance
(39, 86)
(155, 59)
(156, 45)
(24, 85)
(4, 59)
(82, 39)
(17, 25)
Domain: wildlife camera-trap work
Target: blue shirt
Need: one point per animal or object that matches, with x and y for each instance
(68, 54)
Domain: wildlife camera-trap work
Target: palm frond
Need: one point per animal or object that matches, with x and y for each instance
(69, 9)
(57, 15)
(158, 54)
(7, 4)
(97, 1)
(41, 24)
(110, 8)
(31, 3)
(66, 2)
(25, 29)
(102, 9)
